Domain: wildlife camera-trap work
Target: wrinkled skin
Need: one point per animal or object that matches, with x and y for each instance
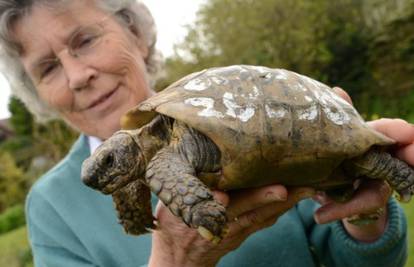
(255, 210)
(113, 172)
(255, 126)
(174, 155)
(260, 208)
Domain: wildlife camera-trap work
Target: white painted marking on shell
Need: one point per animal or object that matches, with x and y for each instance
(262, 70)
(339, 118)
(234, 110)
(218, 80)
(268, 76)
(309, 114)
(278, 113)
(207, 103)
(198, 84)
(254, 94)
(332, 105)
(281, 75)
(299, 86)
(308, 98)
(228, 101)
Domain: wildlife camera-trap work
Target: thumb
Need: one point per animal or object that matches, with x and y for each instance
(221, 197)
(343, 94)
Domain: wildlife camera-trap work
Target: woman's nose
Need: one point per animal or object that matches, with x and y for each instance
(79, 74)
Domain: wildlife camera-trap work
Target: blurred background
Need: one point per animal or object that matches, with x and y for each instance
(365, 47)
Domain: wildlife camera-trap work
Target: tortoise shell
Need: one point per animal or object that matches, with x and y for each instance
(261, 118)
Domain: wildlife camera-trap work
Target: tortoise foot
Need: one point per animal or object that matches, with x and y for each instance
(406, 194)
(209, 218)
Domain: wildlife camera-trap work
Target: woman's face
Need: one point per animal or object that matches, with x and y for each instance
(84, 64)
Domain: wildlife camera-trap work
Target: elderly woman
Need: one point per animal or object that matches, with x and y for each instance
(88, 62)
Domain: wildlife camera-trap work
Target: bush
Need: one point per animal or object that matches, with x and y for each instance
(13, 184)
(12, 218)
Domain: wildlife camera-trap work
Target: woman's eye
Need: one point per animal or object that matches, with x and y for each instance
(48, 69)
(85, 41)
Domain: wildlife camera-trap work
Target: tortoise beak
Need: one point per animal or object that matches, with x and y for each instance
(89, 174)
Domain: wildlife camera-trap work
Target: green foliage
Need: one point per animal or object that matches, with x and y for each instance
(392, 65)
(12, 182)
(365, 47)
(21, 149)
(409, 211)
(12, 218)
(53, 139)
(268, 32)
(15, 249)
(21, 119)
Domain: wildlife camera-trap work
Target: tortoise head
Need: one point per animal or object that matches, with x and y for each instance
(115, 163)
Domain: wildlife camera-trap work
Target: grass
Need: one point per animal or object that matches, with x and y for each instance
(409, 211)
(14, 247)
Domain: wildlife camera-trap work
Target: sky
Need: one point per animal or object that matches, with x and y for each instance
(170, 17)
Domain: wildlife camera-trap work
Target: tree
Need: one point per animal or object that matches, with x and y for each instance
(331, 41)
(51, 140)
(21, 119)
(274, 33)
(13, 186)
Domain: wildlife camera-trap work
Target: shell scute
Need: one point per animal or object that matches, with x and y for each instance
(265, 116)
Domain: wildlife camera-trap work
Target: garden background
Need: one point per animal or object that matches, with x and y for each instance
(365, 47)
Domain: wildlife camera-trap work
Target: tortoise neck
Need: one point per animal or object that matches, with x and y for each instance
(153, 136)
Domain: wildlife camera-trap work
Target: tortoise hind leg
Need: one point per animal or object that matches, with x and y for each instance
(133, 205)
(172, 178)
(381, 165)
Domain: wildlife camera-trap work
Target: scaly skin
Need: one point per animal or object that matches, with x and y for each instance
(177, 154)
(171, 174)
(134, 209)
(376, 164)
(173, 180)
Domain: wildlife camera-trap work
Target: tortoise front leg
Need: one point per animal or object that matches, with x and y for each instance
(133, 205)
(172, 178)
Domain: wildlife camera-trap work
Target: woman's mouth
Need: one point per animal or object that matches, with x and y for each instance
(102, 99)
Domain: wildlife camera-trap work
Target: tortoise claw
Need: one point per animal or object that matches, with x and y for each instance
(206, 234)
(405, 195)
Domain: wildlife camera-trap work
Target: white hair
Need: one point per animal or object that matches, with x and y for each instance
(133, 12)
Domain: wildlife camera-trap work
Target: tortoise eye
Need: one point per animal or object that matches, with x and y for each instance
(109, 159)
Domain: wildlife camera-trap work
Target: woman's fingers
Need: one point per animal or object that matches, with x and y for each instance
(344, 95)
(260, 217)
(406, 154)
(250, 199)
(399, 130)
(370, 196)
(221, 197)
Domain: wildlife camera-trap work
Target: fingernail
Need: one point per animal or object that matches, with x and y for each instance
(317, 218)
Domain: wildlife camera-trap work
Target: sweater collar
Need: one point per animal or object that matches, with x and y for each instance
(94, 142)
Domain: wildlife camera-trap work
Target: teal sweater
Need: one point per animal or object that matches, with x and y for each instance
(72, 225)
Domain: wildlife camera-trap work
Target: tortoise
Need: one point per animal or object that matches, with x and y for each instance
(237, 127)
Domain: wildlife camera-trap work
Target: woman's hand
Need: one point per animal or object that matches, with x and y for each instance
(249, 210)
(373, 194)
